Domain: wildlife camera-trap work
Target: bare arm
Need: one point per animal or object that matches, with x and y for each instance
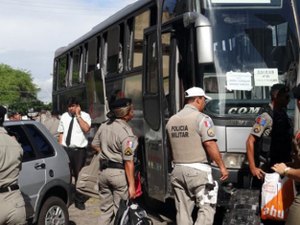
(213, 152)
(85, 127)
(129, 171)
(60, 138)
(290, 173)
(257, 172)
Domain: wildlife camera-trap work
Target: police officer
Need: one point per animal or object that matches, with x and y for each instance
(270, 137)
(292, 170)
(192, 140)
(116, 143)
(12, 206)
(271, 134)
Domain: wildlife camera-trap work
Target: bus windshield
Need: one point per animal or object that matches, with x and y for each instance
(254, 48)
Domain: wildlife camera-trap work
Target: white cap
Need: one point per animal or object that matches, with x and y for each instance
(196, 92)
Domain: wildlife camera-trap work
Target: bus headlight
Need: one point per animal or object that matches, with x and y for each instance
(233, 160)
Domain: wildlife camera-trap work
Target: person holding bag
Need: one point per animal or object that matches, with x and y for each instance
(292, 170)
(116, 145)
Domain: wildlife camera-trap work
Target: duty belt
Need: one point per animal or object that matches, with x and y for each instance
(12, 187)
(105, 164)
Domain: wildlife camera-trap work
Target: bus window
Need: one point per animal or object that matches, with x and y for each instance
(152, 78)
(98, 53)
(166, 56)
(142, 21)
(173, 8)
(113, 49)
(62, 71)
(130, 87)
(54, 81)
(133, 90)
(85, 60)
(166, 41)
(121, 51)
(92, 54)
(104, 53)
(76, 66)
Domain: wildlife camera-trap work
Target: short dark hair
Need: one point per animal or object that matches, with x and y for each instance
(72, 101)
(278, 89)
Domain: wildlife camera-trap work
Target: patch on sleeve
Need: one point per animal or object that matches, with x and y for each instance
(261, 121)
(210, 132)
(207, 123)
(128, 151)
(129, 148)
(257, 128)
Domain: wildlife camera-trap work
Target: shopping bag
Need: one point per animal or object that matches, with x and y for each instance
(138, 184)
(277, 196)
(87, 182)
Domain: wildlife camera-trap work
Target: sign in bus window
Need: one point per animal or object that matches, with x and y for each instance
(242, 1)
(238, 81)
(246, 3)
(265, 77)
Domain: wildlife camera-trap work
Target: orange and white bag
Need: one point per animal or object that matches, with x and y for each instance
(276, 197)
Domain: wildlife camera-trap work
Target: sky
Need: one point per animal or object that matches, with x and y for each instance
(31, 31)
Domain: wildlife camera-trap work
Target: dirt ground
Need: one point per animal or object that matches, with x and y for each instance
(88, 216)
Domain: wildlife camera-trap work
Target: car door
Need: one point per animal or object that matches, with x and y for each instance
(33, 174)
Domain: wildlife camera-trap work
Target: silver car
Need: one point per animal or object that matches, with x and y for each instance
(45, 180)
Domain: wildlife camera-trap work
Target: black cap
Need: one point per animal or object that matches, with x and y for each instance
(296, 92)
(2, 111)
(121, 102)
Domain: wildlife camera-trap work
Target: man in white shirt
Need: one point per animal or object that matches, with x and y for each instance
(72, 129)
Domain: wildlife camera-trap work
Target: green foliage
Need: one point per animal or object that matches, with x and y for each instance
(23, 107)
(18, 92)
(16, 86)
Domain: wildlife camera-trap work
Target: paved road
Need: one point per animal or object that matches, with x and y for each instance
(90, 215)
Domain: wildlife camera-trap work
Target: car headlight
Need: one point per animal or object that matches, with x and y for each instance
(233, 160)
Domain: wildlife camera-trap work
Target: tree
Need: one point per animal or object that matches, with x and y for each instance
(16, 86)
(18, 92)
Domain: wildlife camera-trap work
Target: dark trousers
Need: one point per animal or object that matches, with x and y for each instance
(77, 158)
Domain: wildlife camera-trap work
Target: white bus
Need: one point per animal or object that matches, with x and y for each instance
(151, 51)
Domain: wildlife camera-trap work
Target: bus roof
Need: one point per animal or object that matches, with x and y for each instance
(126, 11)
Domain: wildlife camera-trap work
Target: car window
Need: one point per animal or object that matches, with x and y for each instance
(40, 141)
(19, 134)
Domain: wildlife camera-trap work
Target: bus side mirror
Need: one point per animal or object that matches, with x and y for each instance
(203, 34)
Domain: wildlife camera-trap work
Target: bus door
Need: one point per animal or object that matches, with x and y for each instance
(159, 101)
(154, 125)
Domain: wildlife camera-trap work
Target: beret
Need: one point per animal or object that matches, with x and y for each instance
(121, 102)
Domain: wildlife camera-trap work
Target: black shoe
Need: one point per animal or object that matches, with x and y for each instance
(80, 205)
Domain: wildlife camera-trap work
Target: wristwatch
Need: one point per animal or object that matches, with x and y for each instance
(285, 171)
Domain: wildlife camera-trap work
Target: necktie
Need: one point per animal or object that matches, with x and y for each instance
(68, 139)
